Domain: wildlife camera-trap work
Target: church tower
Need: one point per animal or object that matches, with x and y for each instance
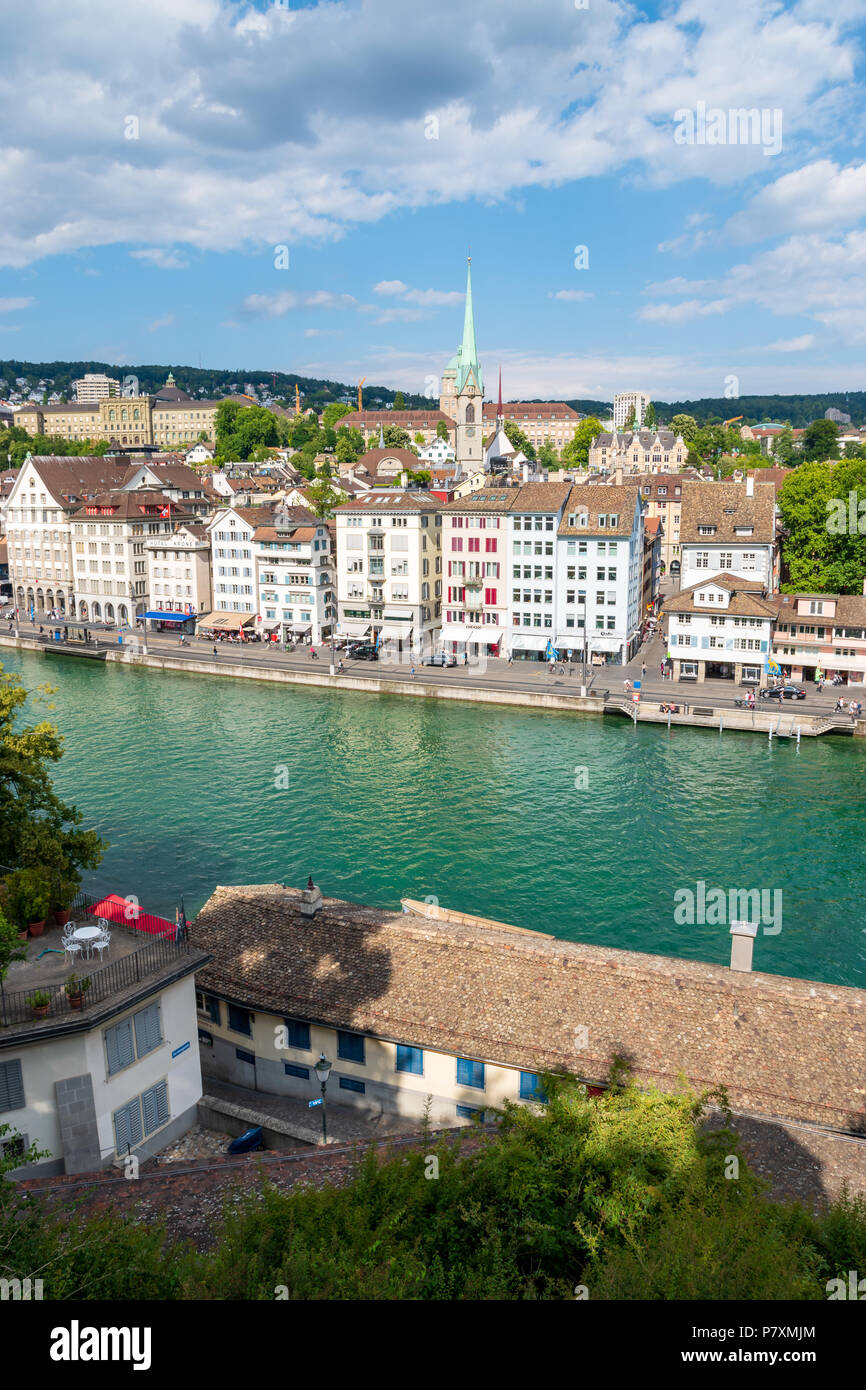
(462, 394)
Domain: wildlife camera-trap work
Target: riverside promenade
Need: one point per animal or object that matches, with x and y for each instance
(486, 681)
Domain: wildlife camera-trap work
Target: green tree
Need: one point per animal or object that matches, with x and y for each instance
(547, 456)
(42, 844)
(395, 438)
(334, 412)
(686, 425)
(630, 419)
(820, 440)
(785, 451)
(649, 418)
(808, 548)
(323, 496)
(442, 430)
(575, 453)
(399, 401)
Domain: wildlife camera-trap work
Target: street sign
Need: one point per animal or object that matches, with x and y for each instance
(178, 1050)
(311, 1103)
(637, 685)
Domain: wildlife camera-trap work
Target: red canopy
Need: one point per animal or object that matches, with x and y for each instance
(128, 914)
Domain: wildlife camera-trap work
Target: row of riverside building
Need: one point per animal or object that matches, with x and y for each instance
(267, 978)
(508, 570)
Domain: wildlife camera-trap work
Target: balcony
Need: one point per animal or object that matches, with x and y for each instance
(474, 581)
(473, 600)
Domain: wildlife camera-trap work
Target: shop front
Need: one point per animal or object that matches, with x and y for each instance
(178, 624)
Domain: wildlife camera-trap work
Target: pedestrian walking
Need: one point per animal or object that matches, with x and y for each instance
(215, 652)
(662, 669)
(643, 672)
(510, 659)
(627, 687)
(465, 658)
(412, 673)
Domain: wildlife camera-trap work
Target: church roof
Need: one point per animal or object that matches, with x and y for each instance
(467, 354)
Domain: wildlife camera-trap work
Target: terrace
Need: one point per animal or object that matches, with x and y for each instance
(136, 958)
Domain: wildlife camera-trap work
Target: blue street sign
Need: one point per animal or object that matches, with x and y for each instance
(311, 1103)
(178, 1050)
(637, 685)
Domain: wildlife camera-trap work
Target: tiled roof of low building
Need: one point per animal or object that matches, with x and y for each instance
(531, 410)
(390, 499)
(748, 598)
(727, 506)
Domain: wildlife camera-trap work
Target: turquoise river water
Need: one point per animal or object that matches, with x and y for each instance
(198, 781)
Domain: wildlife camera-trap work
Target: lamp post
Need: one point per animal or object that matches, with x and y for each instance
(323, 1071)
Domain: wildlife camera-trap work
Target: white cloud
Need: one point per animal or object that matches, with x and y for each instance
(321, 332)
(262, 126)
(159, 257)
(688, 309)
(165, 322)
(8, 306)
(428, 298)
(570, 296)
(819, 197)
(805, 340)
(275, 306)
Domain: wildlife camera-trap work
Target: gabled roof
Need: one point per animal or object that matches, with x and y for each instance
(588, 498)
(727, 506)
(748, 597)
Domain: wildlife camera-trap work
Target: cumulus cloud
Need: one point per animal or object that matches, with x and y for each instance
(252, 127)
(819, 197)
(165, 322)
(805, 340)
(570, 296)
(9, 306)
(430, 298)
(161, 258)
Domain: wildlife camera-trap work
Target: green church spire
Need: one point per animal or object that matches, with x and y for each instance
(467, 357)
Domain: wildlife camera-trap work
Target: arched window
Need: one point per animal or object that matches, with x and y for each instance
(124, 414)
(135, 413)
(470, 414)
(111, 415)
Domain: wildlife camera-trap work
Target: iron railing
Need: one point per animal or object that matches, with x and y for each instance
(16, 1006)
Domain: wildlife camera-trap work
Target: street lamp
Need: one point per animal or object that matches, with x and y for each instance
(323, 1071)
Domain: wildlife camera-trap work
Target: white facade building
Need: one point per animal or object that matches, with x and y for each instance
(233, 566)
(95, 386)
(295, 579)
(109, 534)
(389, 568)
(179, 570)
(623, 402)
(599, 574)
(729, 528)
(532, 525)
(720, 628)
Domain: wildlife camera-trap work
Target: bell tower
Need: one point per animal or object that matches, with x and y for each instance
(463, 392)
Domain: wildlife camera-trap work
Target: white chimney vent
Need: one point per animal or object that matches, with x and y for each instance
(743, 934)
(750, 487)
(311, 899)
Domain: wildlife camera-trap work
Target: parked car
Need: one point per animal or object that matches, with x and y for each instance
(440, 659)
(362, 651)
(784, 692)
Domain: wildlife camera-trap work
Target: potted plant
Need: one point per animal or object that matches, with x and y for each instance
(64, 893)
(30, 894)
(76, 990)
(40, 1003)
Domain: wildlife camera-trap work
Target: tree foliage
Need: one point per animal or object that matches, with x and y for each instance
(43, 848)
(575, 454)
(823, 508)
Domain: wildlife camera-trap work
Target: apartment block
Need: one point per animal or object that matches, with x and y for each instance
(389, 568)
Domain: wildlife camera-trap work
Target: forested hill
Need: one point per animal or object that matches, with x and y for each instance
(797, 411)
(204, 382)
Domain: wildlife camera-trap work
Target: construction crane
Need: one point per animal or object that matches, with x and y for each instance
(733, 420)
(297, 399)
(360, 397)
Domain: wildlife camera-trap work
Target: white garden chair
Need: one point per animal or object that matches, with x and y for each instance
(101, 943)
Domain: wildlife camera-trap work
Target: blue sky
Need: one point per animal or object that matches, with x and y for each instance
(378, 141)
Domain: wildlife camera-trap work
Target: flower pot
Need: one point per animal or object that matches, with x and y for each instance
(36, 928)
(24, 935)
(76, 1001)
(40, 1010)
(61, 918)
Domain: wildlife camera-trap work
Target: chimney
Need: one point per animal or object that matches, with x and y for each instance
(750, 486)
(404, 478)
(743, 934)
(617, 477)
(311, 899)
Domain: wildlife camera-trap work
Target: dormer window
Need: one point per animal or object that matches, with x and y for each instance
(744, 530)
(706, 530)
(602, 521)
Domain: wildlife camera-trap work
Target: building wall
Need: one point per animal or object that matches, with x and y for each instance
(385, 1089)
(73, 1056)
(743, 558)
(178, 575)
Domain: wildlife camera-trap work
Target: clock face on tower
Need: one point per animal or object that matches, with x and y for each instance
(470, 430)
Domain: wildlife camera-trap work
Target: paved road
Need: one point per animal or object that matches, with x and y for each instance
(494, 673)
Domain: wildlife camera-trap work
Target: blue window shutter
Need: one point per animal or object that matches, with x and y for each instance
(155, 1103)
(11, 1086)
(127, 1126)
(763, 646)
(148, 1033)
(705, 641)
(729, 644)
(119, 1046)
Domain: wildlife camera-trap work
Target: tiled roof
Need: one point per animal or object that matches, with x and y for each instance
(619, 501)
(748, 598)
(726, 506)
(123, 504)
(78, 477)
(424, 415)
(486, 499)
(391, 499)
(850, 609)
(511, 410)
(540, 497)
(374, 457)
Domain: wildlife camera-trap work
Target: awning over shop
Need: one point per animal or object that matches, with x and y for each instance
(358, 628)
(605, 644)
(301, 628)
(169, 617)
(394, 615)
(458, 632)
(270, 624)
(529, 642)
(391, 633)
(227, 622)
